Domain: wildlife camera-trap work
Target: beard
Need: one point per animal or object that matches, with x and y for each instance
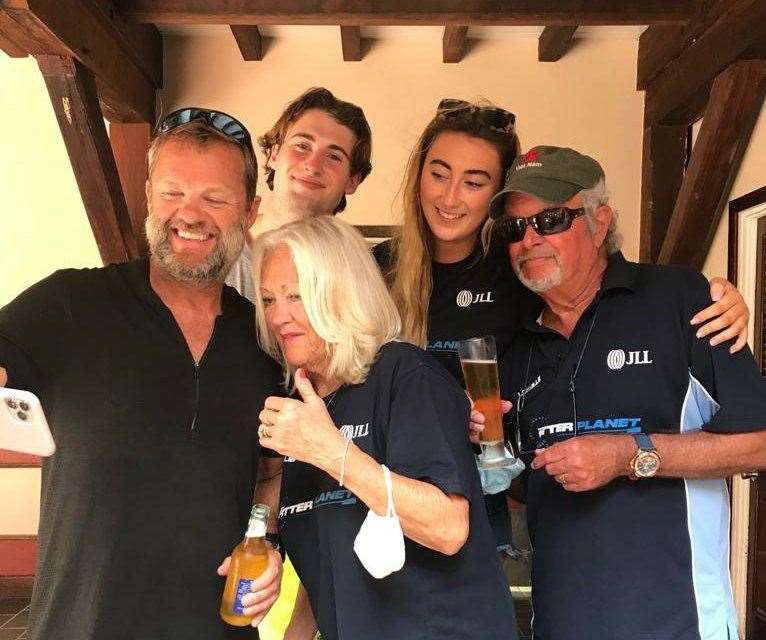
(541, 284)
(212, 269)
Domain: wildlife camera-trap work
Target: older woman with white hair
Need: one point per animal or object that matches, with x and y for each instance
(376, 429)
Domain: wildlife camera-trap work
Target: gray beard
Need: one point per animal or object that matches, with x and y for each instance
(539, 285)
(212, 269)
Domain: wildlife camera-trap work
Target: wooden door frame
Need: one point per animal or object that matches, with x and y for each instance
(736, 207)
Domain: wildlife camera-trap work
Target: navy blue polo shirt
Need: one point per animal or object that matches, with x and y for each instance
(410, 415)
(644, 559)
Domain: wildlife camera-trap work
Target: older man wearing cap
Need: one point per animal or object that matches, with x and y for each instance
(631, 423)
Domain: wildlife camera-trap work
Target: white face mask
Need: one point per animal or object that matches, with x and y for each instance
(499, 479)
(380, 541)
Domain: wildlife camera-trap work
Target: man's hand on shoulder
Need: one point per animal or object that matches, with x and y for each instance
(3, 377)
(586, 462)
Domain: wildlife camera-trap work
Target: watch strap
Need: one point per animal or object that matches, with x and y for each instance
(643, 441)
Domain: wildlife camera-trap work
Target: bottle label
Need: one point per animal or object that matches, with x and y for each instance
(243, 588)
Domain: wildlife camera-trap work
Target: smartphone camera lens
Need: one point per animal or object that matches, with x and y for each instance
(21, 415)
(24, 406)
(11, 403)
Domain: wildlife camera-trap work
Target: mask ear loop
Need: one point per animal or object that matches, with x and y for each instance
(390, 510)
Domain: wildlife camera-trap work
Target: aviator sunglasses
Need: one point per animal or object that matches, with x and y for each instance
(493, 117)
(218, 120)
(545, 223)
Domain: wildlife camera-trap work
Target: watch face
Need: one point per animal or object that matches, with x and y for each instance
(646, 465)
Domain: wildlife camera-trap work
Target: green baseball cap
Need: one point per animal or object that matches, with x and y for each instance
(551, 174)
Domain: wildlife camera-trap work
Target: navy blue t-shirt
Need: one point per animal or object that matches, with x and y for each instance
(645, 559)
(411, 416)
(477, 296)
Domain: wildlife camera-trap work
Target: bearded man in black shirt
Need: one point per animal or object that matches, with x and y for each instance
(147, 371)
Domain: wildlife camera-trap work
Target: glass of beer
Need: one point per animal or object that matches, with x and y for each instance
(478, 359)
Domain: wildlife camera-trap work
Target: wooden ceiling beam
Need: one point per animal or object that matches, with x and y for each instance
(249, 41)
(74, 97)
(409, 12)
(453, 43)
(736, 99)
(125, 58)
(554, 42)
(735, 31)
(10, 41)
(351, 43)
(659, 45)
(10, 48)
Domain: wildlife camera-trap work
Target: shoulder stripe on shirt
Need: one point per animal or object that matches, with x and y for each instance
(707, 507)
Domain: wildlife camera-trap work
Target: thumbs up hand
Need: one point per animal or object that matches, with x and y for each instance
(301, 429)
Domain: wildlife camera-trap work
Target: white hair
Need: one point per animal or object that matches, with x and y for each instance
(342, 290)
(592, 199)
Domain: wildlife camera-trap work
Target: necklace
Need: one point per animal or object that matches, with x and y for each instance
(526, 387)
(330, 398)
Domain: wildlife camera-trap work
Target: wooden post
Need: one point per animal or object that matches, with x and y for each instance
(73, 94)
(663, 164)
(735, 103)
(130, 142)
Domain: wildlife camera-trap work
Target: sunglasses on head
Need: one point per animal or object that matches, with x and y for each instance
(493, 117)
(545, 223)
(218, 120)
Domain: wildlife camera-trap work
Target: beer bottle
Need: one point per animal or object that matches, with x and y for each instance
(248, 561)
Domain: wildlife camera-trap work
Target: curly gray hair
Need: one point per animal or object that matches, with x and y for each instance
(592, 199)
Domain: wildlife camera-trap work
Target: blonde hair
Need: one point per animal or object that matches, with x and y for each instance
(343, 293)
(410, 274)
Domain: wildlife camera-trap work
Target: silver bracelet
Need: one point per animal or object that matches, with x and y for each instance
(343, 462)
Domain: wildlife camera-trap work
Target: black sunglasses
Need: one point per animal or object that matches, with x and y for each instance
(218, 120)
(493, 117)
(545, 223)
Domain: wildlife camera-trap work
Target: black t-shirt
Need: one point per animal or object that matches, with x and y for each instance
(477, 296)
(153, 477)
(410, 416)
(644, 559)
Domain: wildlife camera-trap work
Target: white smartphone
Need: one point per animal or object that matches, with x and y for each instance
(23, 426)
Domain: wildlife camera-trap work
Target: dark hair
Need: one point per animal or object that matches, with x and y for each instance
(345, 113)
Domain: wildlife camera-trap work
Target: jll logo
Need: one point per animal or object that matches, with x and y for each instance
(466, 298)
(617, 358)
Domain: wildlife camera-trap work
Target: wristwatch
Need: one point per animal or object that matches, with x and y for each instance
(646, 462)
